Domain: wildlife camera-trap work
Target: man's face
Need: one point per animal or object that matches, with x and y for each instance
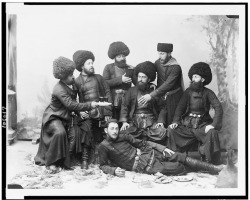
(70, 79)
(196, 78)
(88, 67)
(163, 56)
(142, 78)
(142, 81)
(120, 61)
(120, 58)
(112, 130)
(196, 83)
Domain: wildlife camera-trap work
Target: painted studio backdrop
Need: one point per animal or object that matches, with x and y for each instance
(39, 34)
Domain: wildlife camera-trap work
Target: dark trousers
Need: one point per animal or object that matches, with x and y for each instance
(92, 126)
(168, 165)
(181, 138)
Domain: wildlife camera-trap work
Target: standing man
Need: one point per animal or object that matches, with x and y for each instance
(192, 121)
(169, 82)
(119, 152)
(118, 75)
(91, 86)
(142, 120)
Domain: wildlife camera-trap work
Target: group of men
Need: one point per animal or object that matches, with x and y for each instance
(157, 123)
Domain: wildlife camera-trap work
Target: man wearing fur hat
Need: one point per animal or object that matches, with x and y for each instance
(118, 75)
(192, 121)
(53, 151)
(91, 86)
(169, 82)
(142, 120)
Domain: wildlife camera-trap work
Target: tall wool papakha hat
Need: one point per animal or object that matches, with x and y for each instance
(80, 57)
(147, 68)
(202, 69)
(117, 48)
(62, 67)
(165, 47)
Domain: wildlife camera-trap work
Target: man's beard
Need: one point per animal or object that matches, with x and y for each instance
(88, 72)
(164, 61)
(121, 64)
(142, 86)
(196, 86)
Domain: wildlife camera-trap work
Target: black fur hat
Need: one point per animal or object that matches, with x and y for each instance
(80, 57)
(147, 68)
(117, 48)
(62, 67)
(165, 47)
(202, 69)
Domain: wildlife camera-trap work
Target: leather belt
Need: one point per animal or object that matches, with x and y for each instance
(195, 115)
(120, 91)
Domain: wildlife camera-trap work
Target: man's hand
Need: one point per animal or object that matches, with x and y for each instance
(159, 125)
(119, 172)
(107, 118)
(125, 125)
(208, 127)
(144, 99)
(170, 152)
(84, 115)
(126, 79)
(173, 126)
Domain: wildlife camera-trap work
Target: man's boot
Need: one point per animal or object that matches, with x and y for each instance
(200, 165)
(84, 157)
(72, 151)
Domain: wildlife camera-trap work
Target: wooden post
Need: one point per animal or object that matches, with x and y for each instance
(12, 76)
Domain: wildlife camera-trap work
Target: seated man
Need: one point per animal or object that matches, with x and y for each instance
(53, 151)
(192, 121)
(128, 153)
(141, 119)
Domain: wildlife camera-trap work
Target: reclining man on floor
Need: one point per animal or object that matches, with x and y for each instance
(120, 152)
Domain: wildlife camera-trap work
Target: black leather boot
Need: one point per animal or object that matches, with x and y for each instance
(204, 166)
(84, 157)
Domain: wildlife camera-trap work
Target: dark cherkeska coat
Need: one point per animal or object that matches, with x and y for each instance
(63, 103)
(116, 82)
(102, 89)
(90, 90)
(122, 151)
(209, 99)
(169, 78)
(129, 105)
(128, 108)
(53, 144)
(182, 137)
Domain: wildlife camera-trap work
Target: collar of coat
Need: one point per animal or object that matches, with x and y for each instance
(128, 66)
(172, 61)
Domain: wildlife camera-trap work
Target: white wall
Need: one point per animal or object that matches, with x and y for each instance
(47, 32)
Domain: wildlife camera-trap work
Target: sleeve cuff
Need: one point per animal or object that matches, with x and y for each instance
(112, 170)
(123, 119)
(153, 94)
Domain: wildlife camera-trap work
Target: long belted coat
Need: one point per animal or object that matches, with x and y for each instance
(53, 144)
(169, 78)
